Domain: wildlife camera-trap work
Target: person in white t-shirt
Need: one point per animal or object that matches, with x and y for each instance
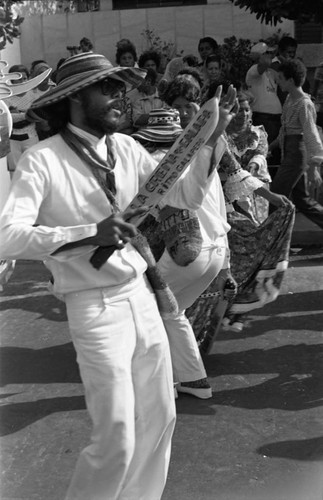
(261, 82)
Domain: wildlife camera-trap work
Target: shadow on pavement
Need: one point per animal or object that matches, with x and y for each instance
(16, 416)
(52, 365)
(47, 306)
(296, 382)
(286, 313)
(305, 449)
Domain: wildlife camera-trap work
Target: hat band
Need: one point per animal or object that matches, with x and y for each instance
(80, 69)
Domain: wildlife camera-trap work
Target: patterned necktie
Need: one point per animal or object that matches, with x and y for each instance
(98, 166)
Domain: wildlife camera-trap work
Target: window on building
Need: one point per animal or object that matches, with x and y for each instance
(308, 32)
(86, 5)
(146, 4)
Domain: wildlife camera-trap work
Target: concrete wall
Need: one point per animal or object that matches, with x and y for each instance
(46, 36)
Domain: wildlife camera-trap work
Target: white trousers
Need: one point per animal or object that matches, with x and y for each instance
(124, 359)
(187, 284)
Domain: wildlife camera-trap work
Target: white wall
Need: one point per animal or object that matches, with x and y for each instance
(46, 37)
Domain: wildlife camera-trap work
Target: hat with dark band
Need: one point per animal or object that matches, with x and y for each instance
(81, 71)
(164, 125)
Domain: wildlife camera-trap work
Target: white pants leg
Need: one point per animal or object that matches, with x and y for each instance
(123, 355)
(187, 284)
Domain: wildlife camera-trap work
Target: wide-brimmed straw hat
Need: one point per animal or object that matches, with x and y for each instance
(81, 71)
(164, 125)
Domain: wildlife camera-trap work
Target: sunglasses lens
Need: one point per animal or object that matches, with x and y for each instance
(113, 89)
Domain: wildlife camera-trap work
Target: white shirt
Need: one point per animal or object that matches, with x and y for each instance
(54, 189)
(264, 89)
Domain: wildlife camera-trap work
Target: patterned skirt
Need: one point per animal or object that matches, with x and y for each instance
(259, 259)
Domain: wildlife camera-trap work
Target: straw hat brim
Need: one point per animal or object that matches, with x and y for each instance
(157, 135)
(132, 77)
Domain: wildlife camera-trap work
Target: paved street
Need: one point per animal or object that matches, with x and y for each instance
(259, 438)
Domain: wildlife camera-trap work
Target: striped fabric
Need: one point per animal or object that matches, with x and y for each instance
(299, 117)
(82, 70)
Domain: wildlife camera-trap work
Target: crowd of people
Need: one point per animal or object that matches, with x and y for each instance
(83, 143)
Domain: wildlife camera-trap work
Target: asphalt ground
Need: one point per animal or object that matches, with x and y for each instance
(260, 437)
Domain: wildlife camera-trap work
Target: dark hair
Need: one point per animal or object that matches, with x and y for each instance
(151, 75)
(86, 42)
(191, 60)
(149, 55)
(19, 68)
(213, 58)
(57, 115)
(211, 41)
(182, 86)
(295, 69)
(124, 46)
(53, 76)
(211, 89)
(285, 42)
(60, 62)
(193, 72)
(34, 63)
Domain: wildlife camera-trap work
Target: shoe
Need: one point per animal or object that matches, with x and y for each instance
(199, 388)
(237, 326)
(226, 323)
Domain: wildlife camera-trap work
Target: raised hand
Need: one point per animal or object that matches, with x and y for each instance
(228, 108)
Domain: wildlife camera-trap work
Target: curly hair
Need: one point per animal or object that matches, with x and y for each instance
(125, 46)
(86, 44)
(193, 72)
(183, 86)
(149, 55)
(295, 69)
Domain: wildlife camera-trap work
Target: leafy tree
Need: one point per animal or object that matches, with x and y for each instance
(235, 56)
(9, 25)
(166, 49)
(273, 11)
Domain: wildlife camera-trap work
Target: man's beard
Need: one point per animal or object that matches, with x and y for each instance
(96, 118)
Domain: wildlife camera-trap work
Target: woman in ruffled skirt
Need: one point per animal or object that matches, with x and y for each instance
(259, 245)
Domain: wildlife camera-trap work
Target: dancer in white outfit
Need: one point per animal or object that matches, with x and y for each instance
(212, 258)
(65, 201)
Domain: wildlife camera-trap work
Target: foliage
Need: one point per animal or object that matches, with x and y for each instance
(272, 40)
(9, 25)
(166, 49)
(274, 11)
(47, 7)
(235, 54)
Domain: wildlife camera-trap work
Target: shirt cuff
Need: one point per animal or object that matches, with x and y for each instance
(72, 234)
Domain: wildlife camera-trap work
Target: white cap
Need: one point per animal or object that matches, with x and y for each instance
(261, 48)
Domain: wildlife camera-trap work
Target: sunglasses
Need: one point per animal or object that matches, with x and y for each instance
(113, 89)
